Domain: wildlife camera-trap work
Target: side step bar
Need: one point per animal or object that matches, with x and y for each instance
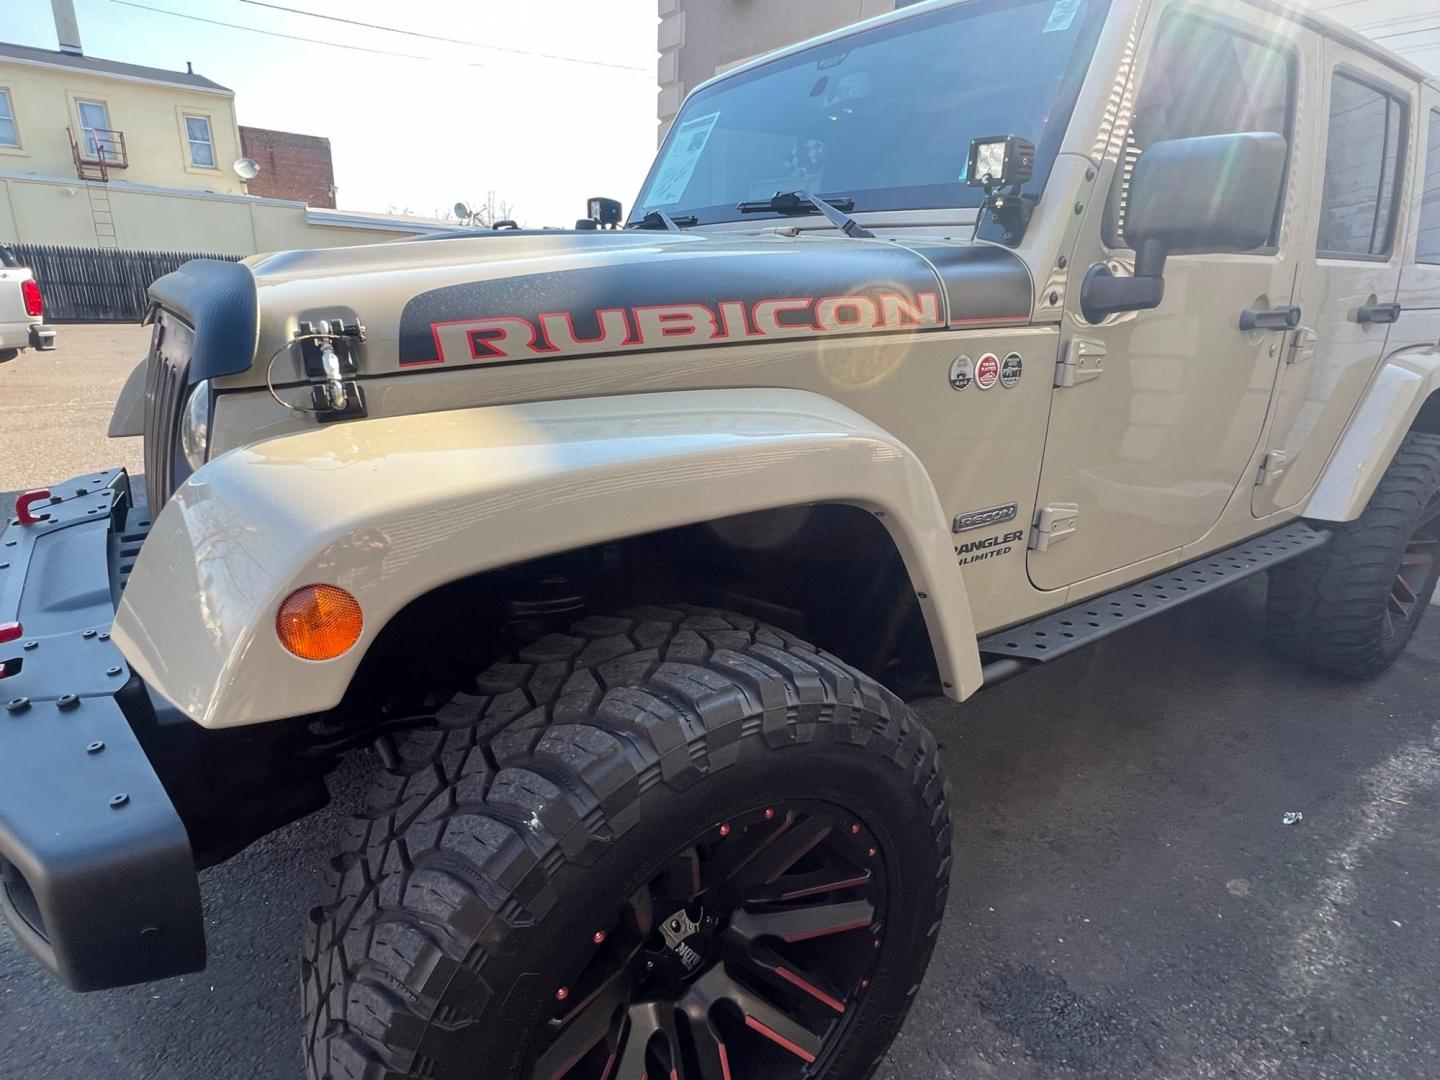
(1066, 630)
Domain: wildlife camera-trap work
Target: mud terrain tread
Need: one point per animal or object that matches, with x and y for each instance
(535, 769)
(1327, 608)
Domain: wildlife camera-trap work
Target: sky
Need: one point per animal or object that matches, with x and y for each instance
(450, 121)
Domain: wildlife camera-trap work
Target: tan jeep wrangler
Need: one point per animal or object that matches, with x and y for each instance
(933, 349)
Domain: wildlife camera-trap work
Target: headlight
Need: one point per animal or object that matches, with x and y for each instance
(195, 426)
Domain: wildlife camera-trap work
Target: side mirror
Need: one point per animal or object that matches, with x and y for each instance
(1189, 196)
(606, 213)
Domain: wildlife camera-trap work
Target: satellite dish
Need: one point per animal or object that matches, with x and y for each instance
(246, 168)
(462, 211)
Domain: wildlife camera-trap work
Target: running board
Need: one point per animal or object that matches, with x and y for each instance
(1068, 629)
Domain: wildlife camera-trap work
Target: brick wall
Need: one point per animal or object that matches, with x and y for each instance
(291, 166)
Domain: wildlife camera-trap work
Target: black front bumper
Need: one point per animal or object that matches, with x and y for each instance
(97, 878)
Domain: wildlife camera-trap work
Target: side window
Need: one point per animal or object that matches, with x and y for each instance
(1362, 163)
(9, 133)
(1427, 249)
(201, 141)
(1204, 79)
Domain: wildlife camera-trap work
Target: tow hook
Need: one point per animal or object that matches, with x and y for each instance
(23, 503)
(328, 348)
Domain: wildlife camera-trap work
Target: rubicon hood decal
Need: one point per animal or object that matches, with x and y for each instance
(675, 301)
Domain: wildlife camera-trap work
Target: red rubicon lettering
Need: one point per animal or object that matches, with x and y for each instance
(656, 326)
(767, 316)
(846, 313)
(559, 331)
(899, 311)
(503, 338)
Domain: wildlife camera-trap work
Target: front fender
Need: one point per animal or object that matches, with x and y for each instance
(129, 415)
(393, 508)
(1392, 401)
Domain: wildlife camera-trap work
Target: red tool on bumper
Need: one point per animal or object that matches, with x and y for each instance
(25, 501)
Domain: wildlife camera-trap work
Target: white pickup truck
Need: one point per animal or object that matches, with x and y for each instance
(22, 309)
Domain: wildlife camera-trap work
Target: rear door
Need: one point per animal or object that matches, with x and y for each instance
(1419, 295)
(1351, 275)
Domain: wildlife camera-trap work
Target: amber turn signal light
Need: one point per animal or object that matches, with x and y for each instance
(319, 622)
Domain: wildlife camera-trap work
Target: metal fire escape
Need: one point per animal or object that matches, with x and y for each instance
(102, 150)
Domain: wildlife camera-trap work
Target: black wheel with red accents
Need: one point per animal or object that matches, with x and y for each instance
(755, 940)
(1353, 605)
(676, 843)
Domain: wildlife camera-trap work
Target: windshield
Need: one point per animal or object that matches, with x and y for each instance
(884, 117)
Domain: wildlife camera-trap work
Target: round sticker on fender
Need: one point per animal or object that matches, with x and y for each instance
(1011, 370)
(962, 372)
(987, 371)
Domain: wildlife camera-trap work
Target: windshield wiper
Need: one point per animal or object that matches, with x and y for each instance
(802, 202)
(659, 219)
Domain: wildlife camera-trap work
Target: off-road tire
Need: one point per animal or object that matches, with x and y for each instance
(463, 896)
(1334, 607)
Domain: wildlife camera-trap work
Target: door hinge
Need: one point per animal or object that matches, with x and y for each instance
(1053, 524)
(1302, 346)
(1083, 360)
(1272, 467)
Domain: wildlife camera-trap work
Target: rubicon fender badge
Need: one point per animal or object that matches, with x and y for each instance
(978, 519)
(962, 372)
(987, 371)
(1010, 370)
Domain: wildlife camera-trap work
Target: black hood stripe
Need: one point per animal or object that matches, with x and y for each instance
(687, 298)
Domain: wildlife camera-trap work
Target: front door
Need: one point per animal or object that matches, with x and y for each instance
(1349, 283)
(1148, 445)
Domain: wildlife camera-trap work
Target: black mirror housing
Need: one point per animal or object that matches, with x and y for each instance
(1187, 197)
(1211, 193)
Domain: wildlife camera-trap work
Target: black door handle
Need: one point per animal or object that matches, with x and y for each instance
(1285, 317)
(1378, 313)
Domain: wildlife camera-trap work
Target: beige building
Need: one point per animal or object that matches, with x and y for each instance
(99, 153)
(66, 114)
(702, 38)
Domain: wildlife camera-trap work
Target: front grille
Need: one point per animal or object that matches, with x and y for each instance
(165, 379)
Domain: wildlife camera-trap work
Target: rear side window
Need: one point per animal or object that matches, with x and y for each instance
(1362, 163)
(1427, 249)
(1204, 79)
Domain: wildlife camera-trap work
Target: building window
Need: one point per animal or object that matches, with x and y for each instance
(202, 143)
(101, 143)
(1427, 248)
(9, 133)
(1362, 166)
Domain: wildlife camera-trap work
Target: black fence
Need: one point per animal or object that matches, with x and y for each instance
(97, 285)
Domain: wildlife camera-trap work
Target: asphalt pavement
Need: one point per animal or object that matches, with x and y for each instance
(1128, 902)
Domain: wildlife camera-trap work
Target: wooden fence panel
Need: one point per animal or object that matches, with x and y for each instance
(96, 284)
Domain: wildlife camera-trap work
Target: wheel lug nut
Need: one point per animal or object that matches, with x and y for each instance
(873, 852)
(562, 993)
(864, 984)
(855, 829)
(769, 814)
(724, 830)
(599, 938)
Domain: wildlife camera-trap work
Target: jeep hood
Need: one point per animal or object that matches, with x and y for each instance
(526, 297)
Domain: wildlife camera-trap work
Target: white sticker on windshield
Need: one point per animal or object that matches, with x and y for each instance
(1062, 15)
(679, 165)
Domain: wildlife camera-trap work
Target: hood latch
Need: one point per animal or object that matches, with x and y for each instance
(329, 349)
